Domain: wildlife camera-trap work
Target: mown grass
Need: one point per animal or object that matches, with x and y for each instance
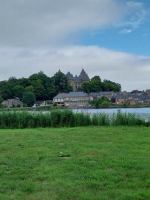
(104, 163)
(67, 118)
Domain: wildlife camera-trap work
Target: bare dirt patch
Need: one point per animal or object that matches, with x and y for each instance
(65, 157)
(110, 169)
(3, 165)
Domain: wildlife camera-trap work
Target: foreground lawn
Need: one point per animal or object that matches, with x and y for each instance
(96, 163)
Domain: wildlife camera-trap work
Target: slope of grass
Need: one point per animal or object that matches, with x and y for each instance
(81, 163)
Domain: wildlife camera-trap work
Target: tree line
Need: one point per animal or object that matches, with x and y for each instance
(96, 85)
(42, 87)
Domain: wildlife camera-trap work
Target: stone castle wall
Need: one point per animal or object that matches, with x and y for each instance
(77, 81)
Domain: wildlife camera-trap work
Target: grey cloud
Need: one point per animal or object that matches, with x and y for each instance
(48, 22)
(131, 71)
(33, 34)
(36, 23)
(25, 53)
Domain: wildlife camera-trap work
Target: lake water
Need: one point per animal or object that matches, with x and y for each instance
(143, 113)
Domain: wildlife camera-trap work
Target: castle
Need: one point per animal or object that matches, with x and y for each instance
(77, 81)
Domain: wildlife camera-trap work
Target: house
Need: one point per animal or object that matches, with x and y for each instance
(98, 95)
(139, 101)
(94, 95)
(120, 99)
(131, 102)
(72, 99)
(76, 99)
(9, 103)
(148, 91)
(146, 102)
(39, 103)
(59, 99)
(134, 91)
(108, 94)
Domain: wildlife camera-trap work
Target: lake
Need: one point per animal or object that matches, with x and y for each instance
(143, 113)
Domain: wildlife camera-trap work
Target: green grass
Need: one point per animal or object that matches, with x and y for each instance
(105, 163)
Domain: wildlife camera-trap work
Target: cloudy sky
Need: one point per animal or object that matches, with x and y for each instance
(109, 38)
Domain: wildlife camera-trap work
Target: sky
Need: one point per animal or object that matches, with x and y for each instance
(108, 38)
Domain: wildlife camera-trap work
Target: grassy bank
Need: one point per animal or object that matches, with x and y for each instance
(129, 106)
(81, 163)
(50, 108)
(38, 108)
(67, 118)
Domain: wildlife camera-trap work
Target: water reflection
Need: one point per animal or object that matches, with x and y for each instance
(143, 113)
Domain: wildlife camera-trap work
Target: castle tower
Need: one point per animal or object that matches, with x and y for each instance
(84, 75)
(69, 75)
(77, 81)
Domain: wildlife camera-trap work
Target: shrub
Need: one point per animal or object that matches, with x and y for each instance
(55, 104)
(105, 104)
(2, 106)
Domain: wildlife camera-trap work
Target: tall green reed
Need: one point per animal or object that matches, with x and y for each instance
(66, 118)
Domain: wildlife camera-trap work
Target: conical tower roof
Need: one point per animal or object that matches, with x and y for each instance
(69, 75)
(84, 75)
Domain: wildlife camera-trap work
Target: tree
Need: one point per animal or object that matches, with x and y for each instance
(29, 98)
(113, 99)
(79, 89)
(7, 91)
(60, 82)
(96, 78)
(102, 99)
(105, 104)
(39, 90)
(50, 90)
(2, 106)
(86, 87)
(1, 99)
(44, 79)
(69, 88)
(29, 89)
(39, 76)
(18, 91)
(33, 78)
(12, 79)
(23, 82)
(95, 86)
(95, 103)
(111, 86)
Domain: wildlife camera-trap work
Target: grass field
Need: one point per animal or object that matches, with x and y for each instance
(85, 163)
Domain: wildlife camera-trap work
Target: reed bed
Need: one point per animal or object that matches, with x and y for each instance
(66, 118)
